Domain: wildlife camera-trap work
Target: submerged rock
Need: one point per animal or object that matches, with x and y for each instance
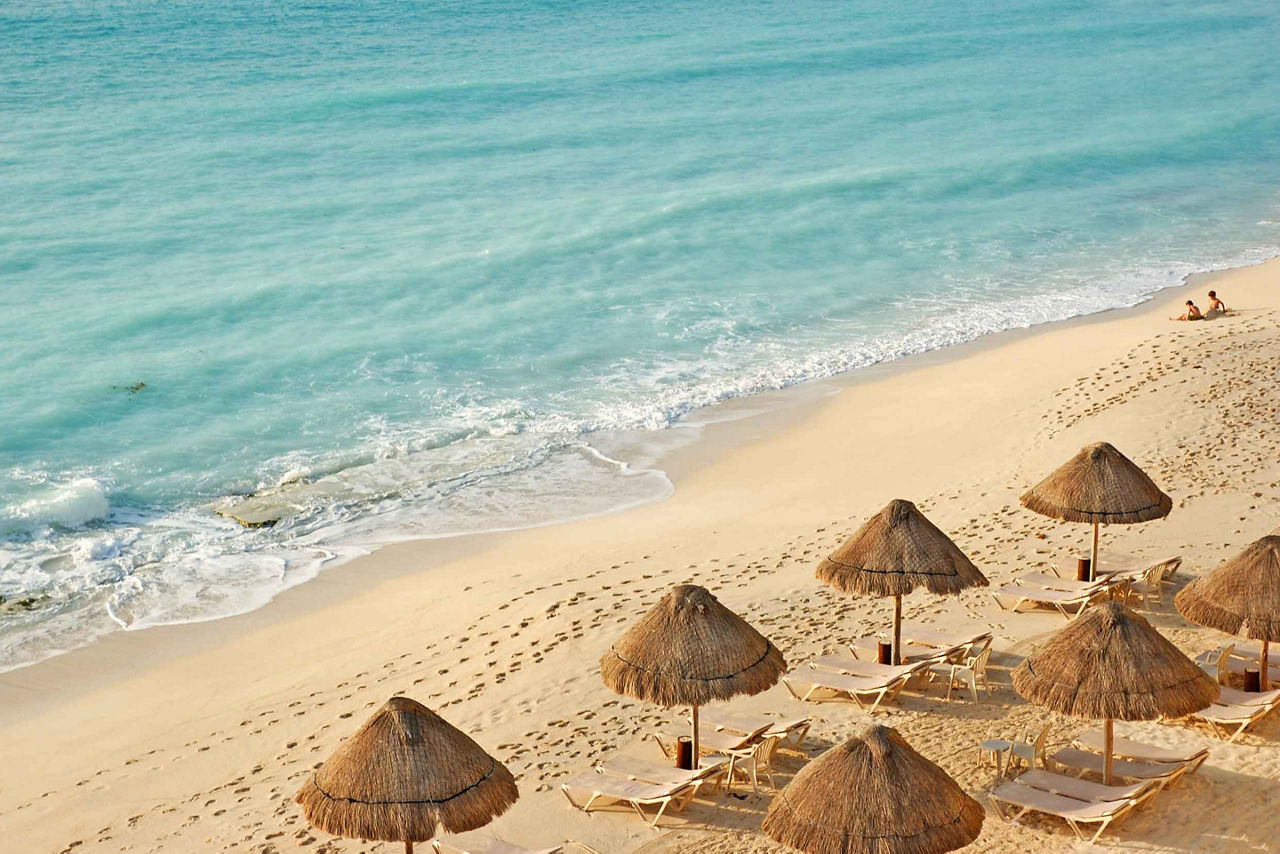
(26, 603)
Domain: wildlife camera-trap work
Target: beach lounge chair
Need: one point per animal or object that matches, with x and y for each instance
(1233, 697)
(866, 649)
(1023, 799)
(1094, 740)
(1078, 761)
(726, 742)
(792, 731)
(492, 845)
(867, 691)
(973, 671)
(710, 740)
(711, 771)
(1225, 717)
(1224, 662)
(963, 641)
(607, 788)
(1087, 790)
(871, 669)
(1063, 600)
(1250, 650)
(1049, 581)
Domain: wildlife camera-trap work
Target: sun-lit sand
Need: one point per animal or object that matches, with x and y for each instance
(195, 738)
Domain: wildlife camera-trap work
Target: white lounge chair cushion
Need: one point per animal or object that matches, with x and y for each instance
(622, 789)
(1063, 807)
(1081, 790)
(454, 845)
(1085, 761)
(1095, 741)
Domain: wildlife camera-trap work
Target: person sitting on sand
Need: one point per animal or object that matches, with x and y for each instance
(1217, 308)
(1192, 313)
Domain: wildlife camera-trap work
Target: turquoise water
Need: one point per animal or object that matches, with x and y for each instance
(419, 256)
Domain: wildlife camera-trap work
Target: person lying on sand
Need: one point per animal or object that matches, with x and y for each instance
(1217, 308)
(1192, 313)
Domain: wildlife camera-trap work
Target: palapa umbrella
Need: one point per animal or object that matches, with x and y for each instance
(1110, 663)
(873, 795)
(893, 553)
(1243, 592)
(403, 775)
(690, 650)
(1102, 486)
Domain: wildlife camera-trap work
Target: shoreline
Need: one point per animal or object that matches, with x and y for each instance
(501, 632)
(717, 430)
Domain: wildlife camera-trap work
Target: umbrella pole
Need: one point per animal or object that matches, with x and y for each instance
(1093, 555)
(897, 629)
(408, 847)
(1264, 683)
(1109, 748)
(695, 738)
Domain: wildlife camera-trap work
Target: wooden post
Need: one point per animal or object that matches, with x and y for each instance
(1264, 684)
(1093, 556)
(695, 738)
(1109, 747)
(897, 629)
(408, 847)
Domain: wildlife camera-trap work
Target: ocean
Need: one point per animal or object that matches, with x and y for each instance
(395, 268)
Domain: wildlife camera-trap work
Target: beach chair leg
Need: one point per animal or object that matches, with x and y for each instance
(683, 803)
(882, 694)
(584, 807)
(973, 686)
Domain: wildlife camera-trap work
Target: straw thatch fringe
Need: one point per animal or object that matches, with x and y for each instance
(689, 650)
(1110, 663)
(897, 551)
(1243, 592)
(402, 774)
(1099, 484)
(873, 794)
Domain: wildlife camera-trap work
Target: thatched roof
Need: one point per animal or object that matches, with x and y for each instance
(896, 551)
(1099, 484)
(403, 772)
(873, 795)
(1110, 663)
(690, 650)
(1243, 592)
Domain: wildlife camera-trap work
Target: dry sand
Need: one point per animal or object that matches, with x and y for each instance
(194, 738)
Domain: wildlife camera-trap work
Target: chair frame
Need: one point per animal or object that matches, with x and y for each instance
(886, 692)
(1123, 808)
(680, 796)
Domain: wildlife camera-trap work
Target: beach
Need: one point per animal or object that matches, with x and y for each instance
(196, 737)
